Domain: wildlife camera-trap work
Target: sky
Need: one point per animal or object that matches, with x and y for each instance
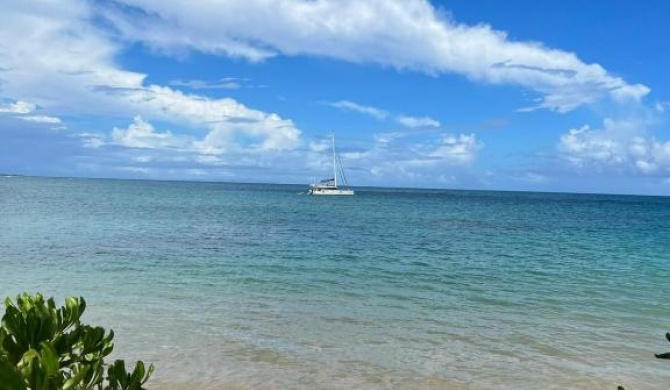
(569, 96)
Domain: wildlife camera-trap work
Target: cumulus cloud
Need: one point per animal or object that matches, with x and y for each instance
(419, 160)
(405, 34)
(618, 146)
(220, 140)
(461, 149)
(410, 121)
(227, 119)
(92, 140)
(68, 66)
(17, 107)
(141, 134)
(52, 57)
(438, 159)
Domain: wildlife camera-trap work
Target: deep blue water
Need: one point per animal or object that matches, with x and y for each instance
(261, 286)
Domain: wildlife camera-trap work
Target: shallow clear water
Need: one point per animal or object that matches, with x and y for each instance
(261, 287)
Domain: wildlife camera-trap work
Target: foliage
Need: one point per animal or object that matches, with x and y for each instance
(660, 356)
(664, 355)
(47, 348)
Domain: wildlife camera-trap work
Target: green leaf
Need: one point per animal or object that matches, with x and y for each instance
(75, 380)
(49, 359)
(10, 378)
(27, 357)
(45, 347)
(149, 373)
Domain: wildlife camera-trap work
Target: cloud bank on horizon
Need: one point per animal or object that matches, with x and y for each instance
(63, 60)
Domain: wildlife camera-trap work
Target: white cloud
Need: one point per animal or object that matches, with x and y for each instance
(410, 121)
(449, 149)
(421, 161)
(229, 122)
(271, 134)
(405, 34)
(384, 139)
(68, 66)
(619, 146)
(18, 107)
(59, 58)
(224, 83)
(381, 114)
(436, 160)
(374, 112)
(41, 119)
(141, 134)
(92, 140)
(661, 106)
(461, 149)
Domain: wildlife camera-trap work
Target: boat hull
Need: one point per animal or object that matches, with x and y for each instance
(328, 187)
(330, 192)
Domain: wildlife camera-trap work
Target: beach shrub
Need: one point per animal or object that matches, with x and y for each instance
(660, 356)
(665, 355)
(43, 347)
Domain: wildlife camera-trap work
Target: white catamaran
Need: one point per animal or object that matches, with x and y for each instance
(329, 186)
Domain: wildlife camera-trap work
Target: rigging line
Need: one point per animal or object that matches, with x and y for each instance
(344, 177)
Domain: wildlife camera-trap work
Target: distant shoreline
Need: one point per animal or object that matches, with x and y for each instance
(357, 187)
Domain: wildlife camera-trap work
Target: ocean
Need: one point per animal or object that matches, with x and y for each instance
(256, 286)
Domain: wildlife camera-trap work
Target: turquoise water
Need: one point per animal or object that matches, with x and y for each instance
(260, 287)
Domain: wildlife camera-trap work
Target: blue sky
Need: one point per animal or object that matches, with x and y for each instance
(515, 95)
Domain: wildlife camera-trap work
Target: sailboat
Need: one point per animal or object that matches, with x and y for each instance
(329, 186)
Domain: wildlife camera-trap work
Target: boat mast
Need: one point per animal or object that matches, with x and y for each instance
(334, 162)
